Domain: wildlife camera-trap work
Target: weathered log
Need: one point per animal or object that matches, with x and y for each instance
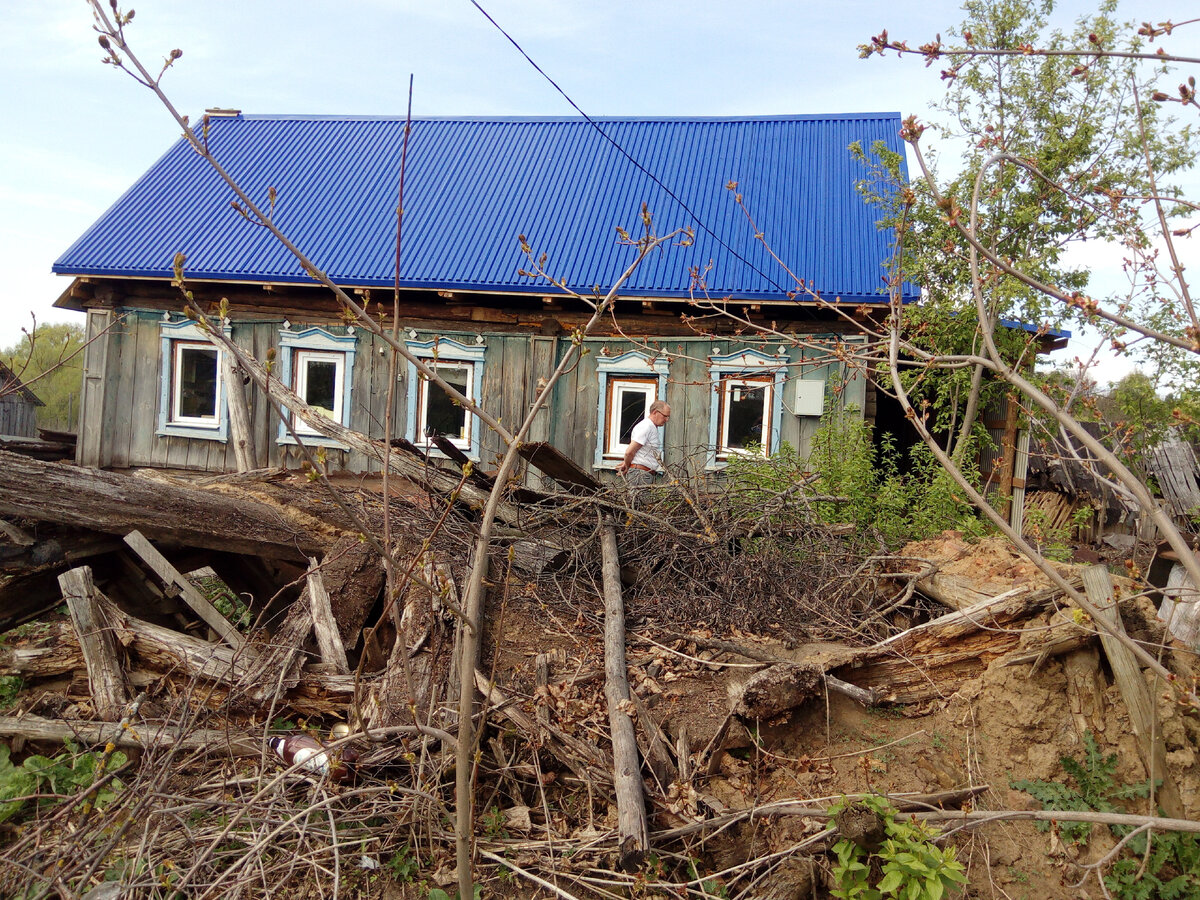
(329, 642)
(59, 654)
(164, 650)
(161, 510)
(353, 575)
(149, 734)
(1127, 672)
(934, 659)
(169, 575)
(770, 692)
(632, 835)
(861, 695)
(106, 677)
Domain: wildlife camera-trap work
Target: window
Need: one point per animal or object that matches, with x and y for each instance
(192, 394)
(318, 366)
(437, 412)
(431, 411)
(195, 378)
(745, 415)
(319, 384)
(629, 383)
(746, 404)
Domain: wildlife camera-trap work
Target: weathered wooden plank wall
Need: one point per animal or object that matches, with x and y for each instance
(513, 365)
(17, 416)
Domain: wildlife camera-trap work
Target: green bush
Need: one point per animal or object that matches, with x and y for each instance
(907, 864)
(870, 489)
(67, 773)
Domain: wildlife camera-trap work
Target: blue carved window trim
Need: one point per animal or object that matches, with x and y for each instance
(632, 368)
(450, 353)
(176, 339)
(294, 346)
(739, 370)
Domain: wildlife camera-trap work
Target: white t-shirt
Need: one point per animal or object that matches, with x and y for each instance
(649, 454)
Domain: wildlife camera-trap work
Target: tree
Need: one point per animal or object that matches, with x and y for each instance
(49, 361)
(1018, 215)
(1060, 146)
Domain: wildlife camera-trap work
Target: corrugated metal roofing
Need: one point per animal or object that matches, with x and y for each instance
(473, 185)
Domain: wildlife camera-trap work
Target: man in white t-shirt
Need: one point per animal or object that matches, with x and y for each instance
(643, 456)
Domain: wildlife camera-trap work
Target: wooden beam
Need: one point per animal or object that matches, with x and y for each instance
(101, 656)
(1127, 672)
(200, 604)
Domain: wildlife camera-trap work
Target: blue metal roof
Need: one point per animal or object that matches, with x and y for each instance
(474, 184)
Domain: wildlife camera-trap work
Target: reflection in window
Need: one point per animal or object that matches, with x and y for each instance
(439, 414)
(319, 378)
(194, 384)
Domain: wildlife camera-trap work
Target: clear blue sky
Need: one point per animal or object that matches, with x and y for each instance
(76, 133)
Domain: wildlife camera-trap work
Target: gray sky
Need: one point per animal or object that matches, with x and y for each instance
(76, 133)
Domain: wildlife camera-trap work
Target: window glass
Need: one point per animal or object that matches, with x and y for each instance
(440, 414)
(745, 414)
(195, 393)
(320, 385)
(628, 402)
(319, 377)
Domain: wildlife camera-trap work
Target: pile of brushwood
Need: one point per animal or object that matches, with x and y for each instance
(249, 685)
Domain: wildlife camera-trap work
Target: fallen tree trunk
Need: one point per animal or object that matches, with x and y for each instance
(934, 659)
(158, 735)
(118, 504)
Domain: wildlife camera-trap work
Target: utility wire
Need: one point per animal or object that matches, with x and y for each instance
(670, 193)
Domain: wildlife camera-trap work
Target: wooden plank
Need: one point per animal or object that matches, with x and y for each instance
(192, 597)
(144, 372)
(91, 400)
(1127, 672)
(555, 464)
(329, 642)
(106, 677)
(241, 436)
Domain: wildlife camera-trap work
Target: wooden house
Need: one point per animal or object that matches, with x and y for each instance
(18, 406)
(156, 392)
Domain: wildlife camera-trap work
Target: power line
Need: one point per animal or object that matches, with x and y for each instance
(670, 193)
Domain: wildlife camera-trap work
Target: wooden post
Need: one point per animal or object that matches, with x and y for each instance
(192, 597)
(1008, 459)
(329, 642)
(106, 677)
(88, 451)
(627, 777)
(241, 435)
(1143, 716)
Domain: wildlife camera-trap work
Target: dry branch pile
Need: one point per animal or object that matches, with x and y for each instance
(598, 745)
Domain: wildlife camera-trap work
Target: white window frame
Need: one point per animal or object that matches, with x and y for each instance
(175, 338)
(729, 384)
(614, 372)
(743, 367)
(302, 360)
(441, 352)
(316, 344)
